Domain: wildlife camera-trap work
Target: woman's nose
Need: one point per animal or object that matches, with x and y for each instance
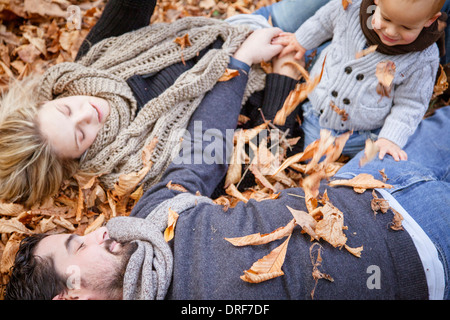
(84, 115)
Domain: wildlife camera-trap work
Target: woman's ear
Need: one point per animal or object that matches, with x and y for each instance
(433, 19)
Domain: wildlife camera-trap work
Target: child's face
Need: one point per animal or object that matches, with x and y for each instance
(400, 22)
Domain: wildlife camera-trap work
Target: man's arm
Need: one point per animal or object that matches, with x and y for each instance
(118, 17)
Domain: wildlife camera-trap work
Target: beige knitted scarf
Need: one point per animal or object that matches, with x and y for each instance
(103, 72)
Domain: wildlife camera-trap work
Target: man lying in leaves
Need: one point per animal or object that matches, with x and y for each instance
(130, 258)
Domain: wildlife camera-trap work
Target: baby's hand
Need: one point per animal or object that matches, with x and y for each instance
(391, 148)
(259, 46)
(290, 43)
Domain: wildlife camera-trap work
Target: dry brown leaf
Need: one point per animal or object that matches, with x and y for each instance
(269, 266)
(331, 226)
(346, 3)
(13, 225)
(342, 113)
(354, 251)
(317, 262)
(223, 201)
(183, 42)
(176, 187)
(228, 75)
(361, 182)
(396, 220)
(261, 178)
(234, 172)
(258, 238)
(379, 204)
(306, 221)
(97, 223)
(441, 84)
(169, 233)
(9, 253)
(370, 151)
(233, 191)
(385, 74)
(296, 96)
(367, 51)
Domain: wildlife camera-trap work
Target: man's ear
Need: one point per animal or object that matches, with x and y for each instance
(433, 19)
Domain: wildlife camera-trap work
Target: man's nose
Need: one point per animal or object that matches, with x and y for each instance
(98, 236)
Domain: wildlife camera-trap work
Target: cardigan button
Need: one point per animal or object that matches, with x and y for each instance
(360, 77)
(348, 70)
(334, 93)
(346, 101)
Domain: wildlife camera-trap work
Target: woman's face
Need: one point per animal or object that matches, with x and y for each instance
(71, 124)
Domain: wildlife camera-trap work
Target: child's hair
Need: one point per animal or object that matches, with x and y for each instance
(435, 5)
(30, 171)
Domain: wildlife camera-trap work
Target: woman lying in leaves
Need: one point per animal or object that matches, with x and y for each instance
(99, 113)
(326, 246)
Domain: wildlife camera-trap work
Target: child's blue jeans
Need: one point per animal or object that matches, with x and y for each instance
(311, 128)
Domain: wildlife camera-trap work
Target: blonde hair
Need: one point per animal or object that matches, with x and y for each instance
(30, 170)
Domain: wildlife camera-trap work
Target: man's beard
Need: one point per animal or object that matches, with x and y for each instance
(111, 282)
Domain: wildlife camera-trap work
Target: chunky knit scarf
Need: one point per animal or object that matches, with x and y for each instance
(149, 271)
(103, 72)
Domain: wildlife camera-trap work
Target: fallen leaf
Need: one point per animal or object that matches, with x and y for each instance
(98, 222)
(385, 73)
(176, 187)
(367, 51)
(317, 262)
(296, 96)
(354, 251)
(331, 226)
(269, 266)
(306, 221)
(228, 75)
(183, 42)
(258, 238)
(171, 223)
(342, 113)
(379, 204)
(346, 3)
(361, 182)
(233, 191)
(396, 220)
(441, 84)
(370, 151)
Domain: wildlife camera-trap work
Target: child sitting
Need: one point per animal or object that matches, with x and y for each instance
(404, 33)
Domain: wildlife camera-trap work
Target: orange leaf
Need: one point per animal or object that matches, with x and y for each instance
(370, 151)
(171, 223)
(296, 96)
(306, 221)
(228, 74)
(345, 3)
(365, 52)
(258, 238)
(269, 266)
(361, 182)
(331, 225)
(385, 73)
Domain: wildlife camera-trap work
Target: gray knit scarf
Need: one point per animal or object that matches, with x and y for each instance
(149, 271)
(103, 72)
